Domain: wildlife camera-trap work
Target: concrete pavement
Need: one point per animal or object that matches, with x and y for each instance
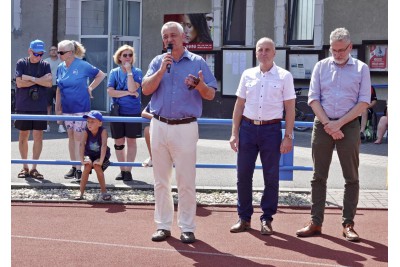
(213, 147)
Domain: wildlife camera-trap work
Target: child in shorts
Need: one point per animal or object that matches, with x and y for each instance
(95, 153)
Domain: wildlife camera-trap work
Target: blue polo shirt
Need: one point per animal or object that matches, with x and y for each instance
(128, 105)
(73, 84)
(173, 99)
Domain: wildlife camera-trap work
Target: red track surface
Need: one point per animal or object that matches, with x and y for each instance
(47, 234)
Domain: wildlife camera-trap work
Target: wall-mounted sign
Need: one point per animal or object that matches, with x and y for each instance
(197, 27)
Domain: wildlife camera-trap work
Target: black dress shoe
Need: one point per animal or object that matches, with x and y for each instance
(266, 228)
(160, 235)
(187, 237)
(240, 226)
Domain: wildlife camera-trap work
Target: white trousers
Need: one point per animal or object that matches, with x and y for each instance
(174, 145)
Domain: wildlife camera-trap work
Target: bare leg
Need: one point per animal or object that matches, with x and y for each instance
(121, 157)
(147, 138)
(77, 142)
(100, 178)
(71, 144)
(85, 178)
(131, 152)
(382, 127)
(23, 146)
(37, 145)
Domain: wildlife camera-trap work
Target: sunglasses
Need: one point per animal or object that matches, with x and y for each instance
(127, 55)
(62, 52)
(37, 54)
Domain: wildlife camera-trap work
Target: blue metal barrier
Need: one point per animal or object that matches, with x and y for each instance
(286, 167)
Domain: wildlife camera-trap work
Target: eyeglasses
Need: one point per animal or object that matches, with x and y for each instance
(37, 54)
(127, 55)
(62, 52)
(340, 51)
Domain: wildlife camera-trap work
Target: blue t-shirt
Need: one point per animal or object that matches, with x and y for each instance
(73, 84)
(128, 105)
(93, 144)
(24, 101)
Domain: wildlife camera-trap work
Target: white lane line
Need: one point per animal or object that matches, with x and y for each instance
(174, 250)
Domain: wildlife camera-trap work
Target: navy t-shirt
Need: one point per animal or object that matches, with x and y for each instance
(93, 144)
(24, 101)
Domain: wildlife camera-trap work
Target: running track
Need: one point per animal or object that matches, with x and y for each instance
(92, 234)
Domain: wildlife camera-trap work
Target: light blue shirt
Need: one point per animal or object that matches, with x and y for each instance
(339, 89)
(173, 99)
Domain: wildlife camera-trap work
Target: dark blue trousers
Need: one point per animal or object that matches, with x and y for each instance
(253, 140)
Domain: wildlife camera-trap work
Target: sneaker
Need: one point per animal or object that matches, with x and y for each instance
(77, 179)
(47, 129)
(147, 163)
(78, 174)
(120, 176)
(127, 176)
(61, 129)
(70, 174)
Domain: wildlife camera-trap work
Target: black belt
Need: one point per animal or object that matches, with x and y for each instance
(175, 121)
(256, 122)
(331, 119)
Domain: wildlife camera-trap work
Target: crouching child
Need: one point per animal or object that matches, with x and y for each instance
(94, 153)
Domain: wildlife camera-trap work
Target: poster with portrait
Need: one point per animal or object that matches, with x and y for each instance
(198, 29)
(377, 57)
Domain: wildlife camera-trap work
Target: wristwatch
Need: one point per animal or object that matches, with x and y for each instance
(130, 74)
(290, 136)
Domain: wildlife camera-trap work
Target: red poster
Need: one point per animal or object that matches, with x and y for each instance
(198, 29)
(378, 57)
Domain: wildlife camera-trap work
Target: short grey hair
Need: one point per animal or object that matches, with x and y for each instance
(171, 24)
(265, 39)
(340, 34)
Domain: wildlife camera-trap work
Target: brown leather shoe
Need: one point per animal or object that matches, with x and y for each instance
(240, 226)
(350, 234)
(266, 228)
(309, 230)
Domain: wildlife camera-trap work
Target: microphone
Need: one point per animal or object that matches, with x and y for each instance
(169, 52)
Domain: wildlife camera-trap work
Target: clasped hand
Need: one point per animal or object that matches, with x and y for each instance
(333, 129)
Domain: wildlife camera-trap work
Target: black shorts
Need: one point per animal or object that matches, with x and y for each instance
(105, 165)
(51, 94)
(126, 129)
(26, 125)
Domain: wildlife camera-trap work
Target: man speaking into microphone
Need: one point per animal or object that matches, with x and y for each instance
(178, 80)
(169, 52)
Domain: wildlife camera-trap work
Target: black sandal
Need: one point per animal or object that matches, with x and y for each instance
(106, 196)
(35, 174)
(24, 173)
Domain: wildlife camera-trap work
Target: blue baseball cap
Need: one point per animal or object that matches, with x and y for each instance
(94, 114)
(37, 46)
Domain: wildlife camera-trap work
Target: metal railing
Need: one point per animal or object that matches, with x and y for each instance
(286, 167)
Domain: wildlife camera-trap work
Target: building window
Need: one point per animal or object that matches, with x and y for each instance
(234, 22)
(301, 22)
